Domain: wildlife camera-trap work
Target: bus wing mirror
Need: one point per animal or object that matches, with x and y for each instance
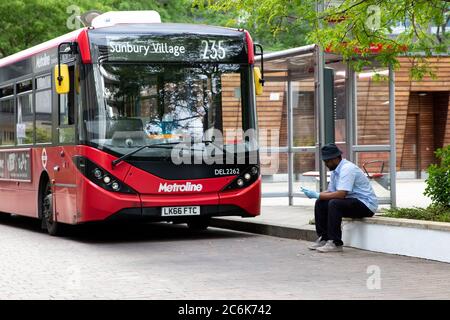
(258, 74)
(258, 81)
(62, 80)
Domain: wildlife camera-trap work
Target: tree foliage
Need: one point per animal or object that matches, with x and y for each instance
(383, 29)
(438, 181)
(352, 28)
(270, 23)
(25, 23)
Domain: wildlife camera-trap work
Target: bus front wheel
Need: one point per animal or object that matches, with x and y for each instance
(48, 218)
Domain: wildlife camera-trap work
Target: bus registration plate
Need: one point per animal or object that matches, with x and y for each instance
(180, 211)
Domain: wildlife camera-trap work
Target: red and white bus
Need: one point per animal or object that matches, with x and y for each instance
(90, 123)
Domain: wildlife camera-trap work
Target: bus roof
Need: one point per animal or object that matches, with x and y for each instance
(168, 28)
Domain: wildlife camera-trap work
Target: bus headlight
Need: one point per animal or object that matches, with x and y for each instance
(246, 178)
(115, 185)
(98, 173)
(100, 176)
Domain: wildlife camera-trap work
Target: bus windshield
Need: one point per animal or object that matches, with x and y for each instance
(145, 104)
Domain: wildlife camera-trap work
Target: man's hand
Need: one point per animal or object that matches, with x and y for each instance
(310, 193)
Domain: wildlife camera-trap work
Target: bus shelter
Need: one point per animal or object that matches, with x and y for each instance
(312, 98)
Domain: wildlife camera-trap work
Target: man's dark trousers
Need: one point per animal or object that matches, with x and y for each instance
(328, 215)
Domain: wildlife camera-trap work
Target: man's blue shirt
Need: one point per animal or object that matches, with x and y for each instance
(349, 177)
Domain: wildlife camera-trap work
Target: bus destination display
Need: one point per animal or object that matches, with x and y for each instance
(176, 49)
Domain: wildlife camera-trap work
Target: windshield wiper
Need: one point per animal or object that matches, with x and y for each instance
(222, 148)
(129, 154)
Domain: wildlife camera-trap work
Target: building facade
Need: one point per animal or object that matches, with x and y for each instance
(422, 114)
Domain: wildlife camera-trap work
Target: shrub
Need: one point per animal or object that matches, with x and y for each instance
(438, 182)
(432, 213)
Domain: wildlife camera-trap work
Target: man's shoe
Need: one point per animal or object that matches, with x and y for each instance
(317, 244)
(330, 246)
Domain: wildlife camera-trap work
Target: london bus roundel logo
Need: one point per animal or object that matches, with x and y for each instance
(44, 158)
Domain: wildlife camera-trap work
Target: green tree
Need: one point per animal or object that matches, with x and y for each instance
(351, 27)
(354, 28)
(26, 23)
(438, 182)
(273, 32)
(17, 31)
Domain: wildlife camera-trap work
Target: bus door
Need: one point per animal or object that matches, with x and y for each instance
(65, 187)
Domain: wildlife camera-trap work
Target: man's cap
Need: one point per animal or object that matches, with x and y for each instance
(330, 151)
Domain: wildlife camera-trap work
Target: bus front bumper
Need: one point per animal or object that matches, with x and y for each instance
(104, 206)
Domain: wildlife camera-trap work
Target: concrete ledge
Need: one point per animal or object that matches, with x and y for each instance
(414, 238)
(307, 232)
(408, 223)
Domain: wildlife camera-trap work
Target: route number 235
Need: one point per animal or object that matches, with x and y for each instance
(213, 49)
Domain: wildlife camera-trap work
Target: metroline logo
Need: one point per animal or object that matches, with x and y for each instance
(175, 187)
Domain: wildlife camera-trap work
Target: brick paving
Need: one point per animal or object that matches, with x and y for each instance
(161, 261)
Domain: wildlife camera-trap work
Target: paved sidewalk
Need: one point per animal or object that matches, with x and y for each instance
(279, 219)
(292, 222)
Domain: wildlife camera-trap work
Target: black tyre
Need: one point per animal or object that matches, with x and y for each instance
(48, 218)
(199, 224)
(4, 215)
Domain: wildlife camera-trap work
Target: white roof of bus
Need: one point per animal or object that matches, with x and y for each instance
(112, 18)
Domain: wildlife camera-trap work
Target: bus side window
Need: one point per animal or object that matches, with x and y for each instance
(67, 112)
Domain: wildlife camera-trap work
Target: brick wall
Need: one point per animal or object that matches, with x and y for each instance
(431, 109)
(407, 89)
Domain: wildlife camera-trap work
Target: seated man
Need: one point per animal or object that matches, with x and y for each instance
(349, 194)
